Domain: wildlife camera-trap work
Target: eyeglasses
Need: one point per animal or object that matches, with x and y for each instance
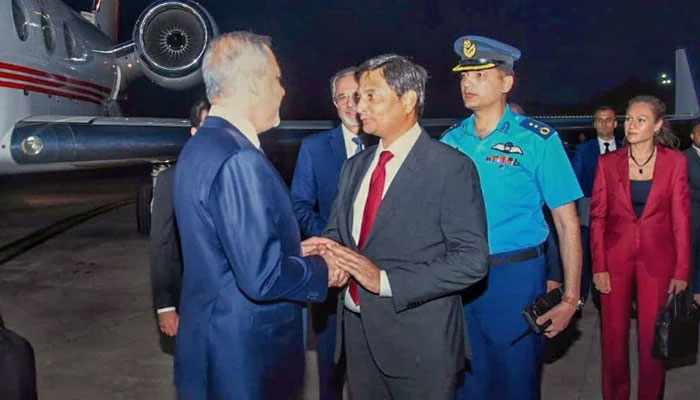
(344, 99)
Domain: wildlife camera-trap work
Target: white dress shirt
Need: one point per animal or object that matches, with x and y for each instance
(697, 149)
(350, 146)
(601, 145)
(400, 149)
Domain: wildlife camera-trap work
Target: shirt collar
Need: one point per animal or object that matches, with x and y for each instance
(503, 124)
(347, 133)
(697, 149)
(241, 123)
(601, 140)
(403, 144)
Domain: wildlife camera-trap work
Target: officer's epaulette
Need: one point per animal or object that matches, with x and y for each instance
(449, 129)
(543, 130)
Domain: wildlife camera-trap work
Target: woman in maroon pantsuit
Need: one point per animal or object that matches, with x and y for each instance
(640, 239)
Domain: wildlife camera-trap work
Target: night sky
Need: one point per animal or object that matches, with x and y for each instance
(572, 50)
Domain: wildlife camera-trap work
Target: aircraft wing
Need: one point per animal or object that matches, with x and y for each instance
(41, 143)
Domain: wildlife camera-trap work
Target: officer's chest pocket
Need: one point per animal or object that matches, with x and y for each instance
(509, 179)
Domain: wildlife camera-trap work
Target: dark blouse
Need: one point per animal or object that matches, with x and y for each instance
(640, 192)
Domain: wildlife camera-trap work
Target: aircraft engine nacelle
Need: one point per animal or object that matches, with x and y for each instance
(170, 38)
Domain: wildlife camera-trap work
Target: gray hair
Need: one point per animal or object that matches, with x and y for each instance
(341, 74)
(233, 56)
(400, 73)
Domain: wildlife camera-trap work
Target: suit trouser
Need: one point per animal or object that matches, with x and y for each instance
(500, 371)
(367, 382)
(330, 374)
(615, 312)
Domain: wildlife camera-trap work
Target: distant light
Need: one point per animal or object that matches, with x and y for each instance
(664, 75)
(128, 65)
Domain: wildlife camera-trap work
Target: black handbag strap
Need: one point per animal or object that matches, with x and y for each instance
(679, 304)
(671, 303)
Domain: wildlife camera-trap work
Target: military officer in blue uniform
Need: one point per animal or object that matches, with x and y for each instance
(522, 165)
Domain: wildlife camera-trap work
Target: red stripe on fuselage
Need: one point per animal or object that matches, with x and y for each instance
(9, 75)
(32, 88)
(27, 70)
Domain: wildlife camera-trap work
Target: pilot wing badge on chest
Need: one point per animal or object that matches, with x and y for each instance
(508, 148)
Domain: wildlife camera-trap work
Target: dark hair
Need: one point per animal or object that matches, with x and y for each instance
(604, 108)
(400, 73)
(695, 124)
(196, 112)
(664, 136)
(506, 69)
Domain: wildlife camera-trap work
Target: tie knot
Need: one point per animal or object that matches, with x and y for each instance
(358, 142)
(384, 157)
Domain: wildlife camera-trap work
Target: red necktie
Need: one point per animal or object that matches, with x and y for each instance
(374, 199)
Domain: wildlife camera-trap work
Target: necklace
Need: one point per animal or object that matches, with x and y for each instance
(645, 162)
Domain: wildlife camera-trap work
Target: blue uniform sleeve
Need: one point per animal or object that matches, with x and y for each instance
(241, 205)
(304, 194)
(555, 176)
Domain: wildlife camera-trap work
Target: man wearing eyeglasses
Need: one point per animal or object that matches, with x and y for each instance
(313, 190)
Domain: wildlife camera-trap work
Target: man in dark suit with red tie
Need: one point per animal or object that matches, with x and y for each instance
(409, 225)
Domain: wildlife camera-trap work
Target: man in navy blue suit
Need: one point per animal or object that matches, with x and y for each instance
(314, 188)
(240, 330)
(585, 163)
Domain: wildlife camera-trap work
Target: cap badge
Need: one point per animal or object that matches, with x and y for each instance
(469, 48)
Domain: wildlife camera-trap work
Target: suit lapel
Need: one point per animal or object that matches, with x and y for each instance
(403, 182)
(658, 179)
(624, 175)
(618, 143)
(337, 144)
(595, 153)
(361, 169)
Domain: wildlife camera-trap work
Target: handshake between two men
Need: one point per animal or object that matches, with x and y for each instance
(343, 263)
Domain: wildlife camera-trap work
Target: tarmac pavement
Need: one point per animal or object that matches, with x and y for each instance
(83, 300)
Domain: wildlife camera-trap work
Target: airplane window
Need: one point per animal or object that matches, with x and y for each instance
(49, 32)
(69, 38)
(19, 16)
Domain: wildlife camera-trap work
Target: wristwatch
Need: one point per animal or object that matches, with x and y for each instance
(576, 302)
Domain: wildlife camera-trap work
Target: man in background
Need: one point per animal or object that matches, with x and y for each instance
(585, 163)
(693, 155)
(314, 187)
(166, 256)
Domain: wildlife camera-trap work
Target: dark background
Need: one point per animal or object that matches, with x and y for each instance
(576, 54)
